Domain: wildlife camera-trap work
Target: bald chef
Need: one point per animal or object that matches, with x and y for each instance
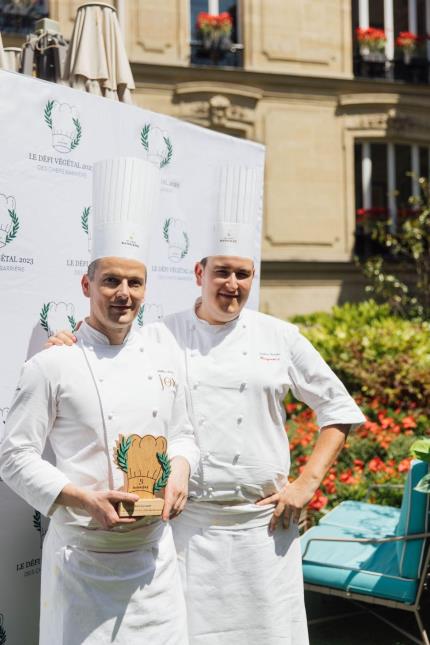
(237, 539)
(105, 579)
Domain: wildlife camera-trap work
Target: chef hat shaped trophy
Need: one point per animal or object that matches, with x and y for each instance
(125, 200)
(239, 204)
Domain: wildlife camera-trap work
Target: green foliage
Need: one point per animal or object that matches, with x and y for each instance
(122, 454)
(376, 354)
(408, 251)
(164, 461)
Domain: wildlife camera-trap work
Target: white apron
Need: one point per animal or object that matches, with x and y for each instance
(91, 596)
(242, 585)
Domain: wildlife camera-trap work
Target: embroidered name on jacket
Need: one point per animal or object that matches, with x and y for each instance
(270, 356)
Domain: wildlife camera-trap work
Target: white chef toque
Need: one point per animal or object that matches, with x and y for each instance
(125, 200)
(239, 205)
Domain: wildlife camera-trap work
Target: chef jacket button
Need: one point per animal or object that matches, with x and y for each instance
(195, 386)
(207, 455)
(154, 413)
(201, 421)
(193, 328)
(242, 387)
(142, 349)
(240, 419)
(244, 352)
(149, 376)
(244, 326)
(110, 416)
(101, 380)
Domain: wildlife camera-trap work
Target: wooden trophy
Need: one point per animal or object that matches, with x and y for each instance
(146, 469)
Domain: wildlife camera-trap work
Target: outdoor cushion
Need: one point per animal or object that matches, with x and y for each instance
(373, 519)
(413, 519)
(370, 569)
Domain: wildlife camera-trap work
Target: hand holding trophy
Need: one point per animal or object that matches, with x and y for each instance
(146, 469)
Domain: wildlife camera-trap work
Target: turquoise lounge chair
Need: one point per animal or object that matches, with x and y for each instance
(373, 554)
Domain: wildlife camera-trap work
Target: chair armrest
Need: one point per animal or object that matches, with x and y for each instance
(393, 538)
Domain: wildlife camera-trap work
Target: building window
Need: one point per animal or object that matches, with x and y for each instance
(20, 16)
(225, 52)
(395, 44)
(386, 175)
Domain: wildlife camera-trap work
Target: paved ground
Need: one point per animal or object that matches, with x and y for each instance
(333, 621)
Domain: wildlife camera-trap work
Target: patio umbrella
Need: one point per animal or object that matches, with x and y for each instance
(97, 61)
(12, 58)
(2, 56)
(44, 52)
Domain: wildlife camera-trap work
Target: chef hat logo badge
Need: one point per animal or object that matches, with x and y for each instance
(64, 123)
(144, 462)
(176, 236)
(2, 631)
(9, 222)
(148, 313)
(55, 316)
(157, 144)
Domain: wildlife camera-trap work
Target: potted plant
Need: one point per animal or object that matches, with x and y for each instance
(406, 41)
(420, 449)
(372, 43)
(215, 30)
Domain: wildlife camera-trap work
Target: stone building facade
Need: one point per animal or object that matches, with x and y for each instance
(341, 125)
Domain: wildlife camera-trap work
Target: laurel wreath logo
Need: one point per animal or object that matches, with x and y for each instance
(165, 465)
(48, 120)
(84, 219)
(166, 237)
(15, 227)
(144, 139)
(2, 631)
(48, 113)
(43, 318)
(77, 138)
(120, 455)
(37, 520)
(140, 316)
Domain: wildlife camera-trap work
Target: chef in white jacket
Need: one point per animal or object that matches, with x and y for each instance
(237, 539)
(105, 579)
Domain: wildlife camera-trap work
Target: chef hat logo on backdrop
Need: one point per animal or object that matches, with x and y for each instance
(63, 120)
(125, 200)
(176, 236)
(157, 144)
(55, 316)
(9, 222)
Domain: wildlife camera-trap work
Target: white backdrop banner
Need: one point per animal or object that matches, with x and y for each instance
(50, 138)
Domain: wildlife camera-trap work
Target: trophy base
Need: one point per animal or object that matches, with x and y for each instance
(141, 508)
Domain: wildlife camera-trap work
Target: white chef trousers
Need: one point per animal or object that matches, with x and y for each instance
(243, 586)
(124, 597)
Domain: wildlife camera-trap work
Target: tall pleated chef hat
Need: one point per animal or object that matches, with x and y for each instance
(125, 200)
(239, 205)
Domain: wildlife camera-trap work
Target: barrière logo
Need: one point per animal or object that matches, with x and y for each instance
(176, 236)
(2, 631)
(9, 222)
(157, 144)
(55, 316)
(63, 121)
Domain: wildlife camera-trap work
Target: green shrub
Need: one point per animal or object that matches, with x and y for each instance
(376, 355)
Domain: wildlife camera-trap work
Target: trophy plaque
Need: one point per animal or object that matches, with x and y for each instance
(146, 469)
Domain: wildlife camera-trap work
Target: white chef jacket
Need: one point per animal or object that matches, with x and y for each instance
(244, 586)
(100, 586)
(82, 398)
(239, 374)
